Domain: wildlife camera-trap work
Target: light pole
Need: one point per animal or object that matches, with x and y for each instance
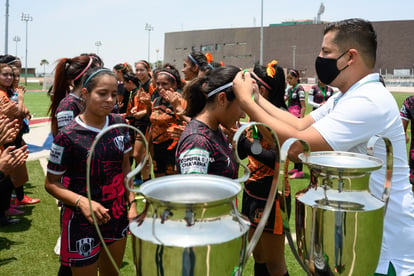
(6, 32)
(261, 35)
(17, 40)
(293, 57)
(148, 28)
(98, 44)
(26, 17)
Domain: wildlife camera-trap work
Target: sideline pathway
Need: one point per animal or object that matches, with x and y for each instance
(39, 140)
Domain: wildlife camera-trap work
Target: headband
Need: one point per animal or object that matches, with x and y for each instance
(168, 74)
(13, 61)
(221, 88)
(145, 64)
(257, 78)
(293, 72)
(193, 59)
(84, 70)
(94, 74)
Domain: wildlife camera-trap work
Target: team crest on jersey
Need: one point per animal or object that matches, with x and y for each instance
(119, 142)
(84, 246)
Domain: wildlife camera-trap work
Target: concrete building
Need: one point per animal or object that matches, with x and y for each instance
(291, 44)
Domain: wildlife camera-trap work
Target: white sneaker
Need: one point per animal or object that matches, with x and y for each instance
(57, 246)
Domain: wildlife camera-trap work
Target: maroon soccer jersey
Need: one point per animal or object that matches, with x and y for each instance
(320, 94)
(70, 107)
(206, 151)
(407, 113)
(295, 95)
(69, 152)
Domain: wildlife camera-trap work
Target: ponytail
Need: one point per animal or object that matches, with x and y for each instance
(195, 96)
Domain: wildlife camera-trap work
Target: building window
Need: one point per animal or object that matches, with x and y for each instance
(207, 48)
(218, 47)
(244, 56)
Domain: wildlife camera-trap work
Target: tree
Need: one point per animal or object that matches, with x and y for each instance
(43, 63)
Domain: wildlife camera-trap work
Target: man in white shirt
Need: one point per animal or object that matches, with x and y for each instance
(362, 109)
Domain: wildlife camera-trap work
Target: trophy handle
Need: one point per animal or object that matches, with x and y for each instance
(284, 162)
(126, 180)
(273, 189)
(389, 164)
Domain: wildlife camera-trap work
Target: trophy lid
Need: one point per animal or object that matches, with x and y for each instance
(194, 189)
(339, 162)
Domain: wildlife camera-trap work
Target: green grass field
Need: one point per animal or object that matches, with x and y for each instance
(27, 248)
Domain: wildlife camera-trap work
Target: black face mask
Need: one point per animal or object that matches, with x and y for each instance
(326, 68)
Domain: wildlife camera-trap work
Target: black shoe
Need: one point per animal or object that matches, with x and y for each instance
(4, 221)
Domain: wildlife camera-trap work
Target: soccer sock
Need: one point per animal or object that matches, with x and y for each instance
(64, 271)
(260, 269)
(19, 193)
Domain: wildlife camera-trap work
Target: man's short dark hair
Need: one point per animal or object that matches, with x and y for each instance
(356, 34)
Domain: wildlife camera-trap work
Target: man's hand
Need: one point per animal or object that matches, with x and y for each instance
(243, 87)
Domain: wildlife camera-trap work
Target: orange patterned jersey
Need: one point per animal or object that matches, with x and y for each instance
(258, 170)
(162, 117)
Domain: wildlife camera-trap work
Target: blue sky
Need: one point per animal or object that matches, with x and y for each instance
(68, 28)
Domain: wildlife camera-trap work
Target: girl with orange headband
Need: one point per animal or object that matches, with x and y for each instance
(269, 252)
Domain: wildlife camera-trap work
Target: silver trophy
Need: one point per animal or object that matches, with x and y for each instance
(339, 223)
(191, 225)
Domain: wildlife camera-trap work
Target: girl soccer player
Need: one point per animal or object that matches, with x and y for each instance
(80, 245)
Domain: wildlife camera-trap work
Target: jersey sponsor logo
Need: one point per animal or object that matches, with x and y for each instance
(119, 142)
(195, 161)
(64, 118)
(84, 246)
(56, 154)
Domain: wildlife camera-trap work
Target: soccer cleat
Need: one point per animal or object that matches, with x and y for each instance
(297, 175)
(14, 206)
(27, 200)
(4, 221)
(292, 171)
(13, 212)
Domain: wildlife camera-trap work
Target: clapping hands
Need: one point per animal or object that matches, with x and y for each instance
(8, 130)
